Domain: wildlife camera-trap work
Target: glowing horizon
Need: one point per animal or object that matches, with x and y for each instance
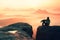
(25, 3)
(29, 11)
(9, 5)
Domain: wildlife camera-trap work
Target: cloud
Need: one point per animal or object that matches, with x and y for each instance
(11, 20)
(18, 9)
(57, 9)
(2, 15)
(54, 10)
(41, 11)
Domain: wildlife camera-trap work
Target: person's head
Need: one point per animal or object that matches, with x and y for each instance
(47, 17)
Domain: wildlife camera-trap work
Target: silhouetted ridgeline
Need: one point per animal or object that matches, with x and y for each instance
(48, 33)
(24, 30)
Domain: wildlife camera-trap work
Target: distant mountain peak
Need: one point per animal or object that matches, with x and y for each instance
(39, 11)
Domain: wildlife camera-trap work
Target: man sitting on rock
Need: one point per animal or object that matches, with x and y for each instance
(46, 22)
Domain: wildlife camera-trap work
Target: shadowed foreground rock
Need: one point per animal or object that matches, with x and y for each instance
(48, 33)
(15, 36)
(24, 32)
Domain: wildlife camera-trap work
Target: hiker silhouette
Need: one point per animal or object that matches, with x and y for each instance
(45, 22)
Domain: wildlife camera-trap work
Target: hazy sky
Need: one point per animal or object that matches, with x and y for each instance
(30, 11)
(27, 9)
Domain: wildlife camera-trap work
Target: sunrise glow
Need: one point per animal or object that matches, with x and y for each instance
(29, 11)
(26, 3)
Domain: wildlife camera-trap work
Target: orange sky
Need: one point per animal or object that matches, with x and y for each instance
(30, 11)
